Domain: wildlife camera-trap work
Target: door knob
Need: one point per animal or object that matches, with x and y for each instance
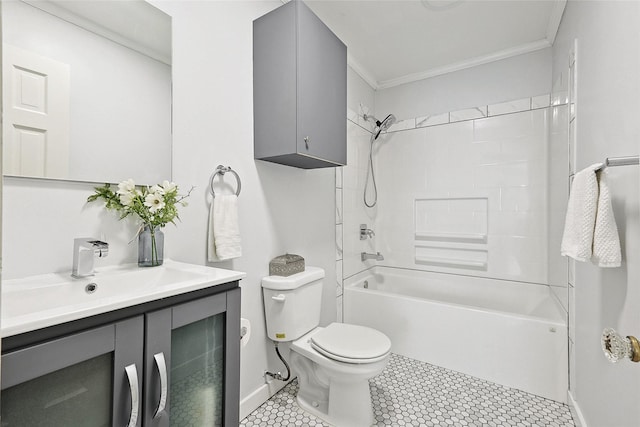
(617, 347)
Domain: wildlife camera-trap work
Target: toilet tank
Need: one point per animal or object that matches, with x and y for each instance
(292, 304)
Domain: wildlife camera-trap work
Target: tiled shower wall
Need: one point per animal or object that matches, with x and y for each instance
(467, 193)
(350, 209)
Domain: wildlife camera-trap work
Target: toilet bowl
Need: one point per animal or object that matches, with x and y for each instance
(334, 366)
(334, 363)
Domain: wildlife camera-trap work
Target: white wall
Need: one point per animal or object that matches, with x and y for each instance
(513, 78)
(282, 209)
(608, 106)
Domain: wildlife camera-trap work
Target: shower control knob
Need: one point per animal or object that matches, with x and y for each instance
(306, 141)
(617, 347)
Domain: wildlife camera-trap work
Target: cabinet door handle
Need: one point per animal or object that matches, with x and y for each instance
(161, 364)
(306, 141)
(132, 376)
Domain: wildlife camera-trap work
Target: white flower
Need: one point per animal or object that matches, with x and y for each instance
(127, 198)
(127, 186)
(157, 190)
(169, 186)
(154, 201)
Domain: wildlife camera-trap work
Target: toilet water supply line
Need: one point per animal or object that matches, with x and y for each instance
(278, 376)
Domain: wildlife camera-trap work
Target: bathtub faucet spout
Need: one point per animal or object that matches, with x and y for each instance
(377, 256)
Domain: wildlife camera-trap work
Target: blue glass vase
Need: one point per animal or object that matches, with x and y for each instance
(150, 247)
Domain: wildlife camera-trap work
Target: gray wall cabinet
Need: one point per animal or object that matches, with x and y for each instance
(299, 89)
(175, 362)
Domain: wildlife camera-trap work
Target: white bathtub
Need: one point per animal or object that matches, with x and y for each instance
(510, 333)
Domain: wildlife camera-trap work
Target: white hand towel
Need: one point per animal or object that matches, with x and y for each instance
(211, 241)
(224, 232)
(606, 242)
(577, 240)
(590, 231)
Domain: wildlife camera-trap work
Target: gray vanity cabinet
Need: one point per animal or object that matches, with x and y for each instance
(174, 361)
(299, 89)
(88, 378)
(188, 364)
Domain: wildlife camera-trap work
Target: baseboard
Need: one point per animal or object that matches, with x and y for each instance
(259, 396)
(576, 413)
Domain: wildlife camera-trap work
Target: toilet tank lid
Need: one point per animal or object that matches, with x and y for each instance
(283, 283)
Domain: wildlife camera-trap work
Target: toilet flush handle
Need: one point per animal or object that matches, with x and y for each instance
(279, 297)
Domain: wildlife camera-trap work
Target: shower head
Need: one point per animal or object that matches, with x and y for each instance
(384, 125)
(380, 127)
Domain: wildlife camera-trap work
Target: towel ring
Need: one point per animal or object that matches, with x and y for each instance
(221, 170)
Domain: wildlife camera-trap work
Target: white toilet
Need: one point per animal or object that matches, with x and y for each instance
(333, 364)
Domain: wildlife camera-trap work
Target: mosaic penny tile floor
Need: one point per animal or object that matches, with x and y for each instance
(413, 393)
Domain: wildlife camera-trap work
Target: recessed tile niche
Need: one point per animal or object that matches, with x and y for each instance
(452, 232)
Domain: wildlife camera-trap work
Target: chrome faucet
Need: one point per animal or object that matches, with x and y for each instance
(365, 256)
(85, 250)
(366, 232)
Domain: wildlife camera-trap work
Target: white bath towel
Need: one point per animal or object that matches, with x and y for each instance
(589, 209)
(224, 232)
(606, 242)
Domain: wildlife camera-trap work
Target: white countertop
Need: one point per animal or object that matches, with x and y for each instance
(40, 301)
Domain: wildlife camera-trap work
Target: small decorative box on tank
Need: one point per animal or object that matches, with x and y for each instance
(286, 265)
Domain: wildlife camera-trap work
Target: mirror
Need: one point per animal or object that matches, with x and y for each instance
(87, 90)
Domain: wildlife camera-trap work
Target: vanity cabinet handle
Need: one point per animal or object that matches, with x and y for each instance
(132, 376)
(161, 364)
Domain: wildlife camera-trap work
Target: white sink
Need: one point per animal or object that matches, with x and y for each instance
(40, 301)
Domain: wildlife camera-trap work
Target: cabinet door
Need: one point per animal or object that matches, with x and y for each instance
(89, 378)
(192, 363)
(322, 90)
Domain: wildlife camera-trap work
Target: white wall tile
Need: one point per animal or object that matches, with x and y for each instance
(488, 176)
(339, 177)
(572, 312)
(432, 120)
(403, 125)
(518, 174)
(339, 278)
(518, 199)
(560, 98)
(468, 114)
(339, 206)
(572, 366)
(339, 309)
(338, 242)
(572, 271)
(509, 107)
(561, 293)
(541, 101)
(352, 115)
(459, 161)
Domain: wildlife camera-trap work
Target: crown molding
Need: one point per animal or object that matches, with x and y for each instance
(555, 19)
(469, 63)
(362, 72)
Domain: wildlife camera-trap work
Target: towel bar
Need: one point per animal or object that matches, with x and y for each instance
(221, 170)
(620, 161)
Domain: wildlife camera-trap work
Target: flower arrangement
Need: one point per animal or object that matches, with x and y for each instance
(155, 206)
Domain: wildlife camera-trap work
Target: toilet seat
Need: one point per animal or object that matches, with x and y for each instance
(351, 343)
